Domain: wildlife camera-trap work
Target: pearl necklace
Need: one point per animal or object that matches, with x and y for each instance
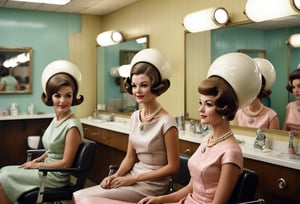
(153, 114)
(211, 142)
(59, 122)
(251, 113)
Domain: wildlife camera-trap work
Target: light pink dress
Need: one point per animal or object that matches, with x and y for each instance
(292, 121)
(263, 120)
(148, 142)
(205, 169)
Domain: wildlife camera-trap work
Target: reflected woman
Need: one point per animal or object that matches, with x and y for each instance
(292, 119)
(7, 81)
(257, 115)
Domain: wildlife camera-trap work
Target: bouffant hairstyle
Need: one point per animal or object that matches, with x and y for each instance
(263, 93)
(158, 85)
(294, 75)
(55, 83)
(226, 100)
(3, 71)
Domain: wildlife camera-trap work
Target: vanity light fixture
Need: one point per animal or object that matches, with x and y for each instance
(263, 10)
(124, 70)
(207, 19)
(16, 60)
(114, 72)
(56, 2)
(110, 37)
(141, 40)
(294, 40)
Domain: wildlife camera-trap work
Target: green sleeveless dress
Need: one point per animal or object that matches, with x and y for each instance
(15, 181)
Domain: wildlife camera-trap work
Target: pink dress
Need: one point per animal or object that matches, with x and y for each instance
(148, 142)
(292, 121)
(262, 120)
(205, 169)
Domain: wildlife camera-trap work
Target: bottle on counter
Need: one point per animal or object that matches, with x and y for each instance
(14, 109)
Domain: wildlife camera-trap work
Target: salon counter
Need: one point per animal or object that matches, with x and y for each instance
(27, 117)
(278, 172)
(277, 155)
(14, 133)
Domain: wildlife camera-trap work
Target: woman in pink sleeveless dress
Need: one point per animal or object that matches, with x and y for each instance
(257, 115)
(152, 153)
(292, 119)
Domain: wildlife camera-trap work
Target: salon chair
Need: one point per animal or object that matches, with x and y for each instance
(79, 170)
(244, 191)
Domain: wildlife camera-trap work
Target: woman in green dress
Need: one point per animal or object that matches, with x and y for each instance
(60, 81)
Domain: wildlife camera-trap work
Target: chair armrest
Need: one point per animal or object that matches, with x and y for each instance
(34, 153)
(112, 169)
(71, 170)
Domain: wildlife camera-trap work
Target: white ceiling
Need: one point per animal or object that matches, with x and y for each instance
(102, 7)
(93, 7)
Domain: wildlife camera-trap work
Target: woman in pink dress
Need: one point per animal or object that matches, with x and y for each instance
(292, 119)
(257, 115)
(152, 153)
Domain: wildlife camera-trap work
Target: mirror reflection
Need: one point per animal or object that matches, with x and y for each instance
(110, 93)
(15, 70)
(204, 47)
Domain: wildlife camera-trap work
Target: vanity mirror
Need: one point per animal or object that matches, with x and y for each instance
(109, 84)
(268, 38)
(15, 70)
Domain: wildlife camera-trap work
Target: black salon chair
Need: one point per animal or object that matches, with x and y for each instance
(244, 190)
(182, 178)
(79, 170)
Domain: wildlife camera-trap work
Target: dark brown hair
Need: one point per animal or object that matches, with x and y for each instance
(226, 99)
(158, 86)
(3, 71)
(263, 93)
(55, 83)
(294, 75)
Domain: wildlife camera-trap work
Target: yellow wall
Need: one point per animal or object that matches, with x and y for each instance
(162, 20)
(82, 51)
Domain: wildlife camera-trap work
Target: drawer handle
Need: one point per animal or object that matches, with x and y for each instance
(187, 151)
(282, 184)
(95, 133)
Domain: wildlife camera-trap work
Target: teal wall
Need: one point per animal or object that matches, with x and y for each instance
(47, 34)
(108, 57)
(274, 43)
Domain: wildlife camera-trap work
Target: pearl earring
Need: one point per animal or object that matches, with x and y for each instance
(223, 117)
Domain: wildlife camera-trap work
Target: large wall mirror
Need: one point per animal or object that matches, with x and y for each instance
(267, 37)
(110, 92)
(15, 70)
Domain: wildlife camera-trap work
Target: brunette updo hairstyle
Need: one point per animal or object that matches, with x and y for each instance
(55, 83)
(158, 86)
(3, 71)
(294, 75)
(226, 99)
(263, 93)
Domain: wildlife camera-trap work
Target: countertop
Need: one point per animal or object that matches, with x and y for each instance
(26, 116)
(277, 155)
